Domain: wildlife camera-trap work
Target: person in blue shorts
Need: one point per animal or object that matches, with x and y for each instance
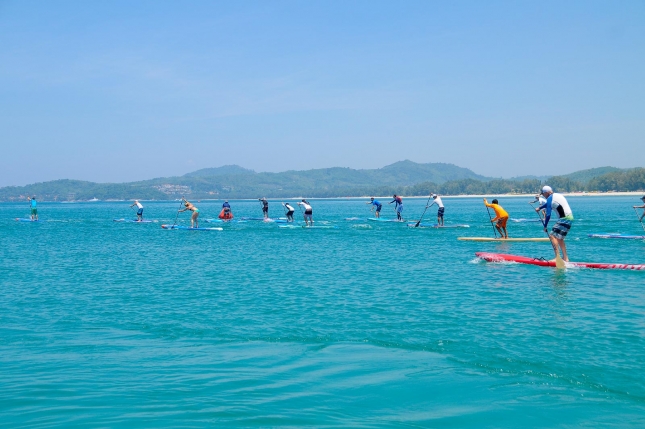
(398, 206)
(377, 205)
(34, 209)
(139, 210)
(441, 210)
(556, 203)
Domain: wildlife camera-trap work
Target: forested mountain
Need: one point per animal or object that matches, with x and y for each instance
(404, 177)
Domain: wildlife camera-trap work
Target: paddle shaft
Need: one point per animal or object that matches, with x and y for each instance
(491, 222)
(424, 212)
(559, 262)
(639, 218)
(177, 216)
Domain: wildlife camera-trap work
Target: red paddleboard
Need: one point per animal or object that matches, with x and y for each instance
(501, 257)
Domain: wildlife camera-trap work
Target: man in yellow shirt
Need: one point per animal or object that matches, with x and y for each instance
(501, 217)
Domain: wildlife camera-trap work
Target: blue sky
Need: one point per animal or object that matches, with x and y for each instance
(120, 91)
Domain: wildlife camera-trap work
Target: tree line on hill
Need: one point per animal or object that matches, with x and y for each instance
(221, 188)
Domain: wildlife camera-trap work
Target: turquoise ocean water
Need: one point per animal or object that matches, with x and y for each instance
(107, 324)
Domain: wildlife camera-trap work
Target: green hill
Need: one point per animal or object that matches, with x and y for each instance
(584, 176)
(404, 177)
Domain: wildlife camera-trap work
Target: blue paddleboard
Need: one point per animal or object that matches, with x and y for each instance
(191, 229)
(132, 221)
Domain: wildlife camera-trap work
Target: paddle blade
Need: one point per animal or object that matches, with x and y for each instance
(559, 262)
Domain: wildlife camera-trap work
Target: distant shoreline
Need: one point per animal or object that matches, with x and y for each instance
(366, 197)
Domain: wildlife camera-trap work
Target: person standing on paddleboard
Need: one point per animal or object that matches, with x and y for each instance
(290, 211)
(441, 210)
(194, 222)
(309, 213)
(501, 217)
(541, 201)
(376, 205)
(398, 206)
(556, 202)
(265, 207)
(139, 210)
(636, 207)
(34, 209)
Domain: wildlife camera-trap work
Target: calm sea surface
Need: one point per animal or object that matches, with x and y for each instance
(107, 324)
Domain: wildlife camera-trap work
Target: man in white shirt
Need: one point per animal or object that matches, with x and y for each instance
(139, 210)
(439, 203)
(309, 219)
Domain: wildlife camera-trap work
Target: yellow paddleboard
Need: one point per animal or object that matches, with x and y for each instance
(501, 239)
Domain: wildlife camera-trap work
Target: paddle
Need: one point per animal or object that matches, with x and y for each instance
(176, 217)
(559, 262)
(491, 222)
(424, 212)
(639, 218)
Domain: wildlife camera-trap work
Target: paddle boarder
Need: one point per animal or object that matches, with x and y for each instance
(33, 207)
(501, 217)
(636, 207)
(376, 205)
(441, 210)
(226, 213)
(540, 200)
(556, 202)
(194, 222)
(290, 211)
(139, 210)
(398, 206)
(309, 213)
(265, 207)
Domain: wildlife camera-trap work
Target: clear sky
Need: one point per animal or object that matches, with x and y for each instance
(121, 91)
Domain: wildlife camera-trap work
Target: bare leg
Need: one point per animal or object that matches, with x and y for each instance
(505, 232)
(563, 248)
(554, 243)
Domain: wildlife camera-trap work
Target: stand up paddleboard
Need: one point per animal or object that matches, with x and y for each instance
(309, 227)
(191, 229)
(224, 221)
(621, 236)
(26, 220)
(501, 239)
(132, 221)
(268, 219)
(434, 225)
(378, 219)
(500, 257)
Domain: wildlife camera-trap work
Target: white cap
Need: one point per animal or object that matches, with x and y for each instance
(546, 189)
(434, 195)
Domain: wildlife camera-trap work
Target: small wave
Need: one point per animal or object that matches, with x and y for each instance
(362, 226)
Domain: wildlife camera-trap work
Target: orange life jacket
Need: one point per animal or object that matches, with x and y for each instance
(226, 214)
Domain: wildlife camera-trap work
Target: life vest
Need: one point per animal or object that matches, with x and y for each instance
(226, 214)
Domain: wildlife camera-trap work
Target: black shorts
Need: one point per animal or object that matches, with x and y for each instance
(265, 209)
(440, 211)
